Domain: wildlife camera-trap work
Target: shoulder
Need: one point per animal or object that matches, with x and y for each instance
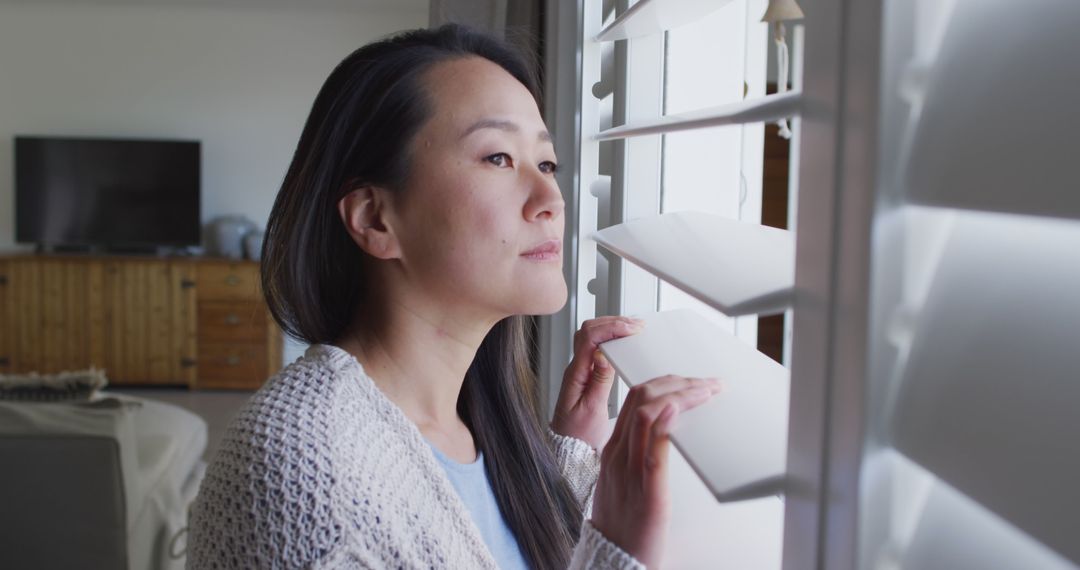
(320, 467)
(292, 421)
(268, 496)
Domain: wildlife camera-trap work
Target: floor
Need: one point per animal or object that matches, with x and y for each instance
(216, 407)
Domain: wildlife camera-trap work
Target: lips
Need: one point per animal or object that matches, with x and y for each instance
(549, 249)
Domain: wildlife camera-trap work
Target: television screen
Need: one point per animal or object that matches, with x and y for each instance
(106, 192)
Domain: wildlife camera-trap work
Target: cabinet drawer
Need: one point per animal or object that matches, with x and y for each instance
(239, 366)
(229, 281)
(232, 321)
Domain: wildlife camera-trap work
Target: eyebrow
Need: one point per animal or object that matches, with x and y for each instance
(502, 125)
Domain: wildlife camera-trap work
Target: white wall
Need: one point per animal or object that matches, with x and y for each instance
(235, 75)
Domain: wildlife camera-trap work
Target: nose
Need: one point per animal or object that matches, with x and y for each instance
(545, 200)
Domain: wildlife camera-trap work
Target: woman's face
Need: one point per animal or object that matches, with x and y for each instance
(481, 195)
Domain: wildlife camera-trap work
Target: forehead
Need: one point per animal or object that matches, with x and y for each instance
(465, 90)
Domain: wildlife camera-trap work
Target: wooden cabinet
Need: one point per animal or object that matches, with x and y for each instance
(149, 322)
(196, 322)
(235, 347)
(54, 315)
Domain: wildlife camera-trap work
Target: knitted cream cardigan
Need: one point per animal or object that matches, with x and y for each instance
(321, 470)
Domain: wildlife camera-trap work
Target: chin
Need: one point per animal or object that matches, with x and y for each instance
(544, 301)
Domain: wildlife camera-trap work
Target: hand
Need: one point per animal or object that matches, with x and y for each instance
(581, 410)
(632, 505)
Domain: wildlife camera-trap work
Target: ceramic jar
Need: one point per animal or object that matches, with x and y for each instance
(225, 236)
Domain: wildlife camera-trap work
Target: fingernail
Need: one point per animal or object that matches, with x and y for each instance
(704, 392)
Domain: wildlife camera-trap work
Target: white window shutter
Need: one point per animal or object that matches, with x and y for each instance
(930, 271)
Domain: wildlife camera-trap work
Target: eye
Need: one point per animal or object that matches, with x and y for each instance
(548, 167)
(500, 159)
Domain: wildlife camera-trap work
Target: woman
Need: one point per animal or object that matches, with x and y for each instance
(419, 220)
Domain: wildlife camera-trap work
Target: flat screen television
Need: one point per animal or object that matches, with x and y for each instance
(109, 193)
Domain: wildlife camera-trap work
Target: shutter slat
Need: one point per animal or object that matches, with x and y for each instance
(981, 138)
(955, 532)
(760, 109)
(737, 442)
(648, 17)
(987, 400)
(738, 268)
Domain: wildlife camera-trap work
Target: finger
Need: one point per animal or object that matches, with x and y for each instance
(616, 445)
(649, 411)
(656, 459)
(614, 453)
(587, 339)
(622, 421)
(692, 395)
(640, 395)
(638, 439)
(586, 381)
(608, 320)
(659, 387)
(662, 385)
(601, 379)
(595, 332)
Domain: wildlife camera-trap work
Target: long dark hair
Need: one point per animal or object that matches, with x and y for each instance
(359, 130)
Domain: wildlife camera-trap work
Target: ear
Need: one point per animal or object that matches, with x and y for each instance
(365, 211)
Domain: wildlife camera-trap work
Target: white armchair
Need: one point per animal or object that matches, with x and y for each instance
(101, 484)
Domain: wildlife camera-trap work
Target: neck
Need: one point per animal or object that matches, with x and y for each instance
(418, 355)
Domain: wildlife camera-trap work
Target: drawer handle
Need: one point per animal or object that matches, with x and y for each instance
(232, 320)
(232, 360)
(232, 280)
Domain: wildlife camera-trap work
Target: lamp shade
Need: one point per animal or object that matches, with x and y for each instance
(782, 10)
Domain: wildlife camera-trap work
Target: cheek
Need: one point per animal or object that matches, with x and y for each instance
(488, 230)
(472, 231)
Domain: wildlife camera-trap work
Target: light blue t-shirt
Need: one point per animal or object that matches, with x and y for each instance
(471, 482)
